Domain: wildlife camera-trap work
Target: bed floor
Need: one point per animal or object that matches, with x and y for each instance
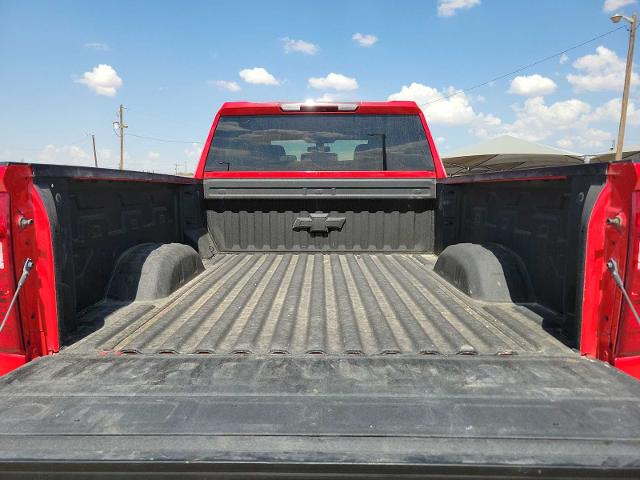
(333, 304)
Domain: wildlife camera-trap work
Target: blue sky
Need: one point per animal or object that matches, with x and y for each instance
(67, 65)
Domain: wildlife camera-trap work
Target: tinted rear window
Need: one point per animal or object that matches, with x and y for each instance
(319, 142)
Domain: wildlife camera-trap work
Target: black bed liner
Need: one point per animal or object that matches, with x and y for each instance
(515, 417)
(331, 304)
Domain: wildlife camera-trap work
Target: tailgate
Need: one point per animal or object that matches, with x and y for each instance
(318, 416)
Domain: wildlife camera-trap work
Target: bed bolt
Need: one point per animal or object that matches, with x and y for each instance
(24, 222)
(615, 221)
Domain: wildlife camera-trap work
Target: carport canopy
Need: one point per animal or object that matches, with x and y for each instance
(628, 153)
(506, 153)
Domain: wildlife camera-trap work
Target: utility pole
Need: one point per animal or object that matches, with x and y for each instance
(627, 80)
(95, 155)
(121, 126)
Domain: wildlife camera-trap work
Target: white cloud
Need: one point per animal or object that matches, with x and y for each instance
(485, 125)
(299, 46)
(489, 119)
(591, 138)
(99, 46)
(610, 111)
(455, 110)
(532, 85)
(153, 155)
(447, 8)
(193, 151)
(569, 122)
(603, 70)
(333, 81)
(226, 85)
(611, 6)
(103, 80)
(536, 120)
(65, 155)
(258, 76)
(564, 58)
(364, 39)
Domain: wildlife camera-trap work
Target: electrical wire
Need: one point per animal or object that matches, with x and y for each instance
(525, 67)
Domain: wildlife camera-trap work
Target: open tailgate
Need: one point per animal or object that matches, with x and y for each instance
(318, 417)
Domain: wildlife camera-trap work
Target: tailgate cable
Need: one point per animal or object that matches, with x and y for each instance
(26, 269)
(613, 268)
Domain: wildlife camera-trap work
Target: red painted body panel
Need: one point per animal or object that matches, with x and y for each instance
(629, 365)
(37, 303)
(11, 361)
(602, 308)
(43, 291)
(11, 336)
(323, 174)
(627, 333)
(364, 108)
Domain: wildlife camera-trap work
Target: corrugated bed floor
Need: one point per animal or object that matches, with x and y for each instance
(317, 304)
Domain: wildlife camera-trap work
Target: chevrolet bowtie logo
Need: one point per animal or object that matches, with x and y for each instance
(318, 222)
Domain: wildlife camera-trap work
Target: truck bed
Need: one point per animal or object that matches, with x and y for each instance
(334, 304)
(283, 365)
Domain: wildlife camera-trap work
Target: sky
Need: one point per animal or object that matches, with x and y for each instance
(66, 66)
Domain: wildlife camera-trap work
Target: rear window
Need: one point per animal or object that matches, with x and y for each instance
(319, 142)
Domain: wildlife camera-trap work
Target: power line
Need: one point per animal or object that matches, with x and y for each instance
(166, 140)
(525, 67)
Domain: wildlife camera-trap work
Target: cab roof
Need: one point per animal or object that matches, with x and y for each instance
(284, 108)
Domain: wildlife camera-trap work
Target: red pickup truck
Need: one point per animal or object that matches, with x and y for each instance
(320, 301)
